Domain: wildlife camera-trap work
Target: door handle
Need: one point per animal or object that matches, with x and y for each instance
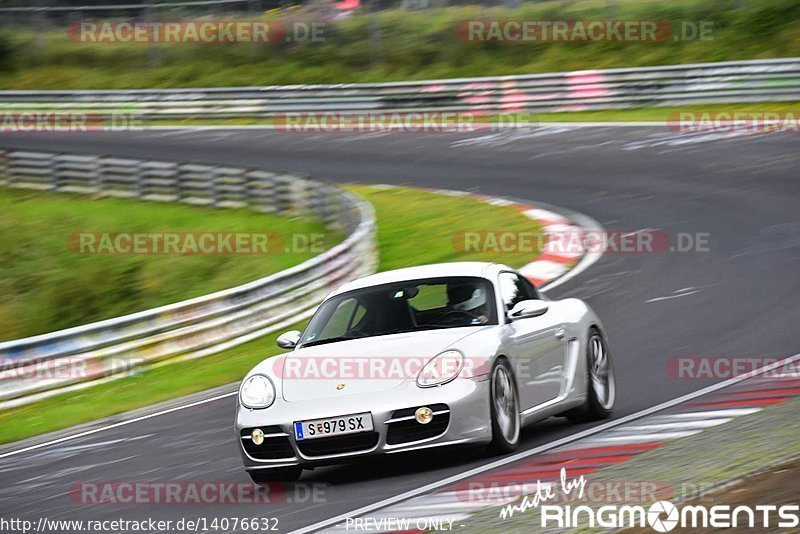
(560, 332)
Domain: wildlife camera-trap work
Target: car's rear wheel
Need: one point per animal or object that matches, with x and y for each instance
(282, 474)
(601, 387)
(504, 408)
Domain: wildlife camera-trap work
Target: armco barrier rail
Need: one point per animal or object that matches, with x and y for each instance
(196, 327)
(705, 83)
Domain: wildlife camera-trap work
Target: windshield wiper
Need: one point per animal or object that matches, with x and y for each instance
(418, 328)
(328, 340)
(433, 326)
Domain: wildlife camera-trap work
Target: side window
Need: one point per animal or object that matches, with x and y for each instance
(532, 291)
(514, 289)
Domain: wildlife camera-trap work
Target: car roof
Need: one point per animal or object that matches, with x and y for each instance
(433, 270)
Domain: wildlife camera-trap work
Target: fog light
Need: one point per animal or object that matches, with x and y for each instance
(257, 436)
(424, 415)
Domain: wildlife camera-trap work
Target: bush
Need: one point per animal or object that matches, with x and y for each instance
(7, 51)
(399, 44)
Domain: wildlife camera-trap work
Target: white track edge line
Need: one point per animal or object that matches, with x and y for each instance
(543, 448)
(587, 224)
(116, 425)
(610, 124)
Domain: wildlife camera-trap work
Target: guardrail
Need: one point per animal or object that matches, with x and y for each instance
(705, 83)
(196, 327)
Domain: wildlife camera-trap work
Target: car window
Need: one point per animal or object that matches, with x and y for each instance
(430, 297)
(414, 305)
(339, 321)
(514, 289)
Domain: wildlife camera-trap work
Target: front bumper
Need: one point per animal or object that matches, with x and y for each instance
(466, 403)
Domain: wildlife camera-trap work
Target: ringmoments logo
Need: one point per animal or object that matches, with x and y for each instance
(661, 516)
(664, 516)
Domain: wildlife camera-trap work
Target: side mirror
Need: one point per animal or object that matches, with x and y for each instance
(288, 340)
(528, 308)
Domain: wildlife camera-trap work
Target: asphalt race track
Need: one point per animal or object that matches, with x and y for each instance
(740, 298)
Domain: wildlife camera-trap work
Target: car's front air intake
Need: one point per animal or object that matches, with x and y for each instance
(404, 428)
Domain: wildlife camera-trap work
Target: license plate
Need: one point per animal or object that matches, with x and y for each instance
(333, 426)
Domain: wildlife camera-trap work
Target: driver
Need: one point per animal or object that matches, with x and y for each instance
(466, 297)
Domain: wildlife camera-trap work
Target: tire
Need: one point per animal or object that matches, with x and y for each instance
(281, 474)
(600, 382)
(504, 405)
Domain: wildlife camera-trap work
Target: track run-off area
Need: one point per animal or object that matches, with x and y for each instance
(735, 296)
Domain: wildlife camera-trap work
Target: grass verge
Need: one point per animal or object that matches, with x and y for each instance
(399, 44)
(690, 115)
(694, 115)
(49, 282)
(414, 227)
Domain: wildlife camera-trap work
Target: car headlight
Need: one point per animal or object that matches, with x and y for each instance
(257, 392)
(441, 369)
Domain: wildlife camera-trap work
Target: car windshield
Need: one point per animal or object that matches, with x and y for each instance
(409, 306)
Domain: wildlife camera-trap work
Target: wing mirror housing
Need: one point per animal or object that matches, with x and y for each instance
(528, 308)
(288, 340)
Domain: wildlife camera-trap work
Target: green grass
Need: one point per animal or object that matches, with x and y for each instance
(415, 228)
(401, 44)
(47, 285)
(422, 232)
(668, 113)
(649, 114)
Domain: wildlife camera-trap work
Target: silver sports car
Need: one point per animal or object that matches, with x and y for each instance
(430, 356)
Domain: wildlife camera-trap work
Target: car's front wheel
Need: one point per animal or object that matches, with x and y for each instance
(504, 408)
(282, 474)
(601, 387)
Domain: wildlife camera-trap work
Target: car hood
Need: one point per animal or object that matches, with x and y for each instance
(363, 365)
